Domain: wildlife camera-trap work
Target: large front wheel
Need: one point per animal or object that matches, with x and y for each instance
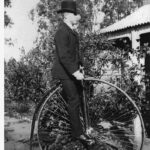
(115, 120)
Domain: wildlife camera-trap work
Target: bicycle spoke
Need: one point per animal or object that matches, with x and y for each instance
(59, 106)
(100, 139)
(58, 114)
(117, 117)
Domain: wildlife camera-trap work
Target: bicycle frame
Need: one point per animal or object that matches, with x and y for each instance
(85, 108)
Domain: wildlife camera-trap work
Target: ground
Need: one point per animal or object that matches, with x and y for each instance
(17, 133)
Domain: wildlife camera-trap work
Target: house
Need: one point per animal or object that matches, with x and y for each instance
(135, 27)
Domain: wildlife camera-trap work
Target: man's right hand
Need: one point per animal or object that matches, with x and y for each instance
(78, 75)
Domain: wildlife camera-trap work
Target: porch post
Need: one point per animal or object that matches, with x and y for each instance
(135, 39)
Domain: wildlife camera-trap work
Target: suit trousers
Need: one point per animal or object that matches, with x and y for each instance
(72, 89)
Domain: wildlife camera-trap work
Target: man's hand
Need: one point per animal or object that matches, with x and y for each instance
(81, 68)
(78, 75)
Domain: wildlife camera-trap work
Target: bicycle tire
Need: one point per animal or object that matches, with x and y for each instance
(54, 129)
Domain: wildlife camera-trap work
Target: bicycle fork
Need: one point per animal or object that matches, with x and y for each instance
(85, 110)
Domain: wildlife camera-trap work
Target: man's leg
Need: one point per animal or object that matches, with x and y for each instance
(71, 88)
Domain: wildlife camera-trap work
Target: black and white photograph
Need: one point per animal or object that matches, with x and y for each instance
(76, 75)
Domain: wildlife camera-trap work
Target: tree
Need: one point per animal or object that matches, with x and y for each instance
(7, 19)
(24, 84)
(117, 9)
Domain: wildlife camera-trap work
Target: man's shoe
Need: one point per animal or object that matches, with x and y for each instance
(85, 139)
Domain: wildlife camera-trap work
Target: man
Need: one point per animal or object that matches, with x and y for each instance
(67, 64)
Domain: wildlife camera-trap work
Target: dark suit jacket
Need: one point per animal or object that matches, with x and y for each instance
(67, 57)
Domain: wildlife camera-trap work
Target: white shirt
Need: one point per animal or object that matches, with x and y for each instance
(69, 24)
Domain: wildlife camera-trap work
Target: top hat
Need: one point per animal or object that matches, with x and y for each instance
(68, 6)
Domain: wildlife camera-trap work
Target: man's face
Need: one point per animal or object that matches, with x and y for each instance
(74, 19)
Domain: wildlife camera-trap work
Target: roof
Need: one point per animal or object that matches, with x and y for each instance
(139, 17)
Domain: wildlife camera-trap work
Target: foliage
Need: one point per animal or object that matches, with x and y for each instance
(23, 83)
(98, 53)
(7, 3)
(117, 9)
(7, 19)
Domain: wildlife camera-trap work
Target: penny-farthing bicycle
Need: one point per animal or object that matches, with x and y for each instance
(110, 117)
